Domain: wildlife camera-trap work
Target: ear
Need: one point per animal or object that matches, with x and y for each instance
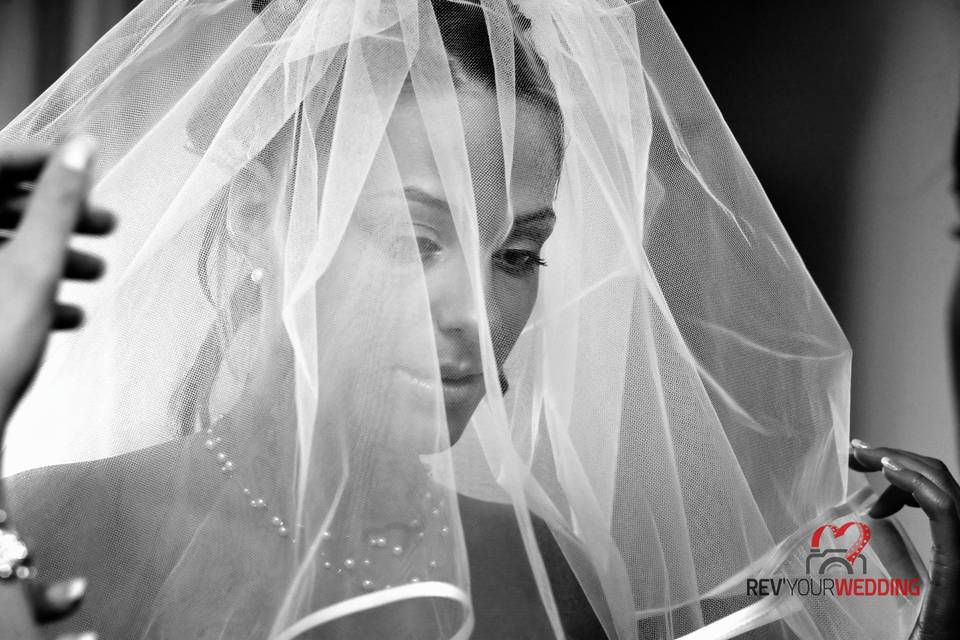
(257, 203)
(251, 203)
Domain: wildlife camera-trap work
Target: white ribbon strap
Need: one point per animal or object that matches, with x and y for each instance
(431, 589)
(747, 619)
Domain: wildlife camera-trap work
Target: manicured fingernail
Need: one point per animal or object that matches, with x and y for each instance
(78, 152)
(89, 635)
(889, 464)
(859, 444)
(69, 591)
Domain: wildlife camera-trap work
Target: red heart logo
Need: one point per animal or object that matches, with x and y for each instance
(855, 549)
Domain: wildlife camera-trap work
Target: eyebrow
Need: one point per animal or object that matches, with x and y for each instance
(544, 214)
(419, 195)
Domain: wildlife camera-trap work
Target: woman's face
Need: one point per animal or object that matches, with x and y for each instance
(406, 212)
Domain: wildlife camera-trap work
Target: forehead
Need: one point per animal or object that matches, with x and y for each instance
(417, 152)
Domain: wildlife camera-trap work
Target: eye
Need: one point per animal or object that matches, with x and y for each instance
(428, 249)
(400, 249)
(519, 262)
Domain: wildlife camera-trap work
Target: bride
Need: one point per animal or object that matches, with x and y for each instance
(331, 387)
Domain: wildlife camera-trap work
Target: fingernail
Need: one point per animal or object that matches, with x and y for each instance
(89, 635)
(69, 591)
(78, 152)
(859, 444)
(889, 464)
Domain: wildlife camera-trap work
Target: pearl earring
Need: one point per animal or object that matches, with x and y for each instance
(256, 275)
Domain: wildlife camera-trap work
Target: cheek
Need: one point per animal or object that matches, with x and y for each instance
(365, 299)
(509, 305)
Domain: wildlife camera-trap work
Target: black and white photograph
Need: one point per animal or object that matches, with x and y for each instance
(479, 319)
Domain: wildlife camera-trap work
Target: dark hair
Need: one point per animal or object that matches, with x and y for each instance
(463, 29)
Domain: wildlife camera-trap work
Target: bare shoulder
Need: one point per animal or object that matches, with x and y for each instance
(107, 520)
(49, 496)
(77, 514)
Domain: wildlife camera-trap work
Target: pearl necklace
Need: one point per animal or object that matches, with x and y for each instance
(228, 468)
(392, 542)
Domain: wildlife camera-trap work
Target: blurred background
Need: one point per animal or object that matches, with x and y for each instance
(847, 112)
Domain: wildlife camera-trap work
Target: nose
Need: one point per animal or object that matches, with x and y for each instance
(452, 302)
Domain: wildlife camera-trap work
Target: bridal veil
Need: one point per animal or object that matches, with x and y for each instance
(669, 395)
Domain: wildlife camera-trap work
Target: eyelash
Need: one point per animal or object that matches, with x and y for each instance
(531, 261)
(427, 248)
(400, 250)
(506, 259)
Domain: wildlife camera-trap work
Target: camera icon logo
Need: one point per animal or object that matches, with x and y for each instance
(824, 561)
(838, 559)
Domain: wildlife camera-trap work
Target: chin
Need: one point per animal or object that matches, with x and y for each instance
(458, 418)
(457, 423)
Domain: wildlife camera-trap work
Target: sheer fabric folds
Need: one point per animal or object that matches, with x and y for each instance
(326, 363)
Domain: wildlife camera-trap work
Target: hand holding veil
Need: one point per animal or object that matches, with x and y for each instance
(42, 202)
(330, 388)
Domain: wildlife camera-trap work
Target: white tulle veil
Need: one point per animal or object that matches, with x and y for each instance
(330, 214)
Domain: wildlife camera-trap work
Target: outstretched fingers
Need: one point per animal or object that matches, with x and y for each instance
(867, 459)
(52, 213)
(930, 494)
(19, 166)
(43, 201)
(93, 220)
(928, 484)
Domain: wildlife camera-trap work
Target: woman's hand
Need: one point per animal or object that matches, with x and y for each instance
(35, 226)
(926, 483)
(37, 218)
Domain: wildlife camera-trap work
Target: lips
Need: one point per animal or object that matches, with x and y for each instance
(463, 389)
(459, 369)
(459, 384)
